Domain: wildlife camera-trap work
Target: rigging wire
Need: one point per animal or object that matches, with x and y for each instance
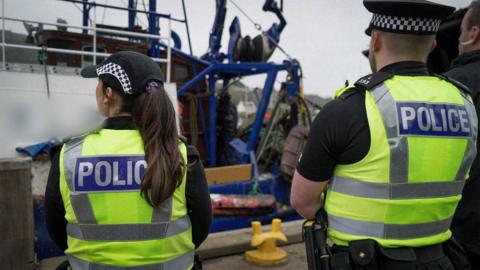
(259, 28)
(135, 2)
(145, 9)
(139, 19)
(104, 11)
(257, 25)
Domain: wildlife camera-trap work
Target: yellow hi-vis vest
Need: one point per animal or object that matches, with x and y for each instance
(110, 226)
(404, 192)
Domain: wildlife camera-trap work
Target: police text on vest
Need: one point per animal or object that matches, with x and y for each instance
(109, 173)
(433, 119)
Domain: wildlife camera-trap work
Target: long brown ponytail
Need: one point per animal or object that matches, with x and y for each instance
(154, 116)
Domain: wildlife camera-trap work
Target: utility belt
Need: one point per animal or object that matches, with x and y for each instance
(369, 255)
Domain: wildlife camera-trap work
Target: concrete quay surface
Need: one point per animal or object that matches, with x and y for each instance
(296, 260)
(225, 250)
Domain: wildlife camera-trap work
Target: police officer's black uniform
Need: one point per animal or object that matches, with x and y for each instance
(349, 142)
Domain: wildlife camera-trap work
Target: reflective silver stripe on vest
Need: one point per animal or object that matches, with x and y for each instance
(128, 232)
(471, 150)
(398, 186)
(83, 208)
(388, 231)
(163, 214)
(398, 144)
(180, 263)
(396, 190)
(87, 228)
(80, 202)
(73, 150)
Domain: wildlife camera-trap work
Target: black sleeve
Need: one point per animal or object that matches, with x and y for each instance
(338, 135)
(54, 209)
(198, 198)
(464, 75)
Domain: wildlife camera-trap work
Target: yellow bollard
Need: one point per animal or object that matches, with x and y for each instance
(267, 252)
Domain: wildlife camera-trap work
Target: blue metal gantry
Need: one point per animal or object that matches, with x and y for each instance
(218, 70)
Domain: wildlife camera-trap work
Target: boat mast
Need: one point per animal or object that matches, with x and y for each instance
(131, 14)
(153, 28)
(86, 15)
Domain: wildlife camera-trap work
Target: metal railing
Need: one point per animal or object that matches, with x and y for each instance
(94, 31)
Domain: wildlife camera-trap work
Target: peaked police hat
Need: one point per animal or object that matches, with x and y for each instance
(414, 17)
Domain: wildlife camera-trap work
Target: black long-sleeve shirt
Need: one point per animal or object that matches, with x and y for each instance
(466, 222)
(196, 191)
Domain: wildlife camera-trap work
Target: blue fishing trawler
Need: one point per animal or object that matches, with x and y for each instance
(249, 179)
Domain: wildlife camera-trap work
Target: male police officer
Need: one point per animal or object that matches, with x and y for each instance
(396, 148)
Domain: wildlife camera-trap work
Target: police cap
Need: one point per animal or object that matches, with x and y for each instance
(130, 72)
(414, 17)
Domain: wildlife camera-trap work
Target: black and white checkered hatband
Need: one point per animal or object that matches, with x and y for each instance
(118, 72)
(406, 24)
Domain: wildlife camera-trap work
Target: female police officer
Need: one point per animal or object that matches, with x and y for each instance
(122, 197)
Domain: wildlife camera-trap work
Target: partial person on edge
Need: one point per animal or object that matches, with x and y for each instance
(392, 152)
(466, 69)
(133, 194)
